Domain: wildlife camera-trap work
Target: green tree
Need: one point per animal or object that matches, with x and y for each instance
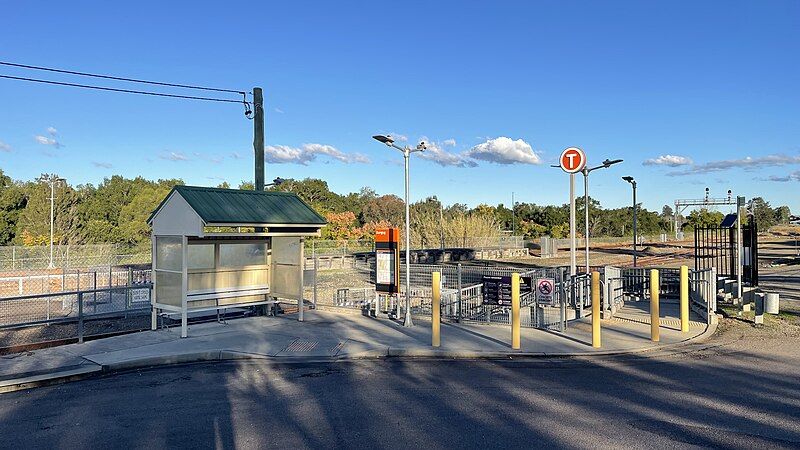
(700, 218)
(782, 215)
(762, 212)
(12, 202)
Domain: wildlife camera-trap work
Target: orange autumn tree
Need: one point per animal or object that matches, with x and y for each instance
(341, 226)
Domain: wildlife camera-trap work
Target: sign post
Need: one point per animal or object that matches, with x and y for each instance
(572, 161)
(387, 263)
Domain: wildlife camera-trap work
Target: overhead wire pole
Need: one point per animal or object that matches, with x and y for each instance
(258, 137)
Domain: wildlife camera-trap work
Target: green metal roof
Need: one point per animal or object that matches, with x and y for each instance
(215, 205)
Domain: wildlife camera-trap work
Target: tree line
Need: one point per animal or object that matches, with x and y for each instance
(116, 210)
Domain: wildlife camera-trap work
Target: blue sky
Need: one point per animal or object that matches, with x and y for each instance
(691, 94)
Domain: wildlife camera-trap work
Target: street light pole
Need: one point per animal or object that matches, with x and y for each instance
(52, 180)
(586, 171)
(406, 154)
(630, 180)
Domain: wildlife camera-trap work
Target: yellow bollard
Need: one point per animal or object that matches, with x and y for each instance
(655, 320)
(685, 299)
(515, 311)
(436, 283)
(596, 309)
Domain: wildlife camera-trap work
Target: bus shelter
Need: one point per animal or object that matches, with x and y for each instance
(224, 248)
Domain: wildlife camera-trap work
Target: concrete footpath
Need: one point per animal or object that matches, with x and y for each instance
(331, 336)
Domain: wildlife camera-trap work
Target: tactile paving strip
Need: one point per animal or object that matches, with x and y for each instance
(301, 345)
(663, 322)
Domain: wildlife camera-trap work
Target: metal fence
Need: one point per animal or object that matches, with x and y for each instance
(703, 292)
(23, 258)
(75, 306)
(462, 293)
(59, 280)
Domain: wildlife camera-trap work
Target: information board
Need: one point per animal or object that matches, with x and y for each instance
(387, 260)
(497, 289)
(385, 266)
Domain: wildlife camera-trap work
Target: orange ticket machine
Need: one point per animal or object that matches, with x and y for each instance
(387, 260)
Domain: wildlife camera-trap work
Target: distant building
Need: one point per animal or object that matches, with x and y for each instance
(794, 220)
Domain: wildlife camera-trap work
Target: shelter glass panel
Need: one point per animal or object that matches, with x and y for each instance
(241, 255)
(201, 256)
(168, 253)
(168, 288)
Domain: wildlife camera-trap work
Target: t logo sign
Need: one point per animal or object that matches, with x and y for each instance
(573, 160)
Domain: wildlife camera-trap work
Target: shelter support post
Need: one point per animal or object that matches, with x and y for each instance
(184, 287)
(302, 269)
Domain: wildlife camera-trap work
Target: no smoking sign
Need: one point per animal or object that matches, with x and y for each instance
(544, 290)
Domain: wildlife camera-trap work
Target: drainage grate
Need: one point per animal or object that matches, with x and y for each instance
(301, 345)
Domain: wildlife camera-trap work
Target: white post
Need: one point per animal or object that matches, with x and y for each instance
(739, 249)
(586, 214)
(52, 209)
(153, 300)
(302, 269)
(572, 261)
(184, 287)
(407, 322)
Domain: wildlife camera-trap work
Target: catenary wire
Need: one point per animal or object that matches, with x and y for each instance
(127, 91)
(109, 77)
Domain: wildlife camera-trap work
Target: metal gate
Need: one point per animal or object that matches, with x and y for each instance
(715, 247)
(536, 311)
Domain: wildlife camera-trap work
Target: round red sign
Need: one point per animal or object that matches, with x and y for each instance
(573, 160)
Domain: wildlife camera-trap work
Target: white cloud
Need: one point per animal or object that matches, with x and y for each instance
(44, 140)
(4, 147)
(794, 176)
(174, 156)
(747, 163)
(278, 110)
(668, 160)
(216, 159)
(103, 165)
(52, 131)
(399, 137)
(434, 152)
(284, 154)
(236, 155)
(504, 150)
(449, 142)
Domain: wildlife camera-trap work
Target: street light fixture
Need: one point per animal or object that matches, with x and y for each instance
(586, 171)
(407, 151)
(630, 180)
(276, 182)
(52, 180)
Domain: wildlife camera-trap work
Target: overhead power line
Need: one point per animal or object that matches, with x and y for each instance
(109, 77)
(127, 91)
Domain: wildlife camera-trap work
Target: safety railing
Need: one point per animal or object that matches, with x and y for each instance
(703, 292)
(636, 281)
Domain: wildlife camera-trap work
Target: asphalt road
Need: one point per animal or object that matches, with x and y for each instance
(741, 393)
